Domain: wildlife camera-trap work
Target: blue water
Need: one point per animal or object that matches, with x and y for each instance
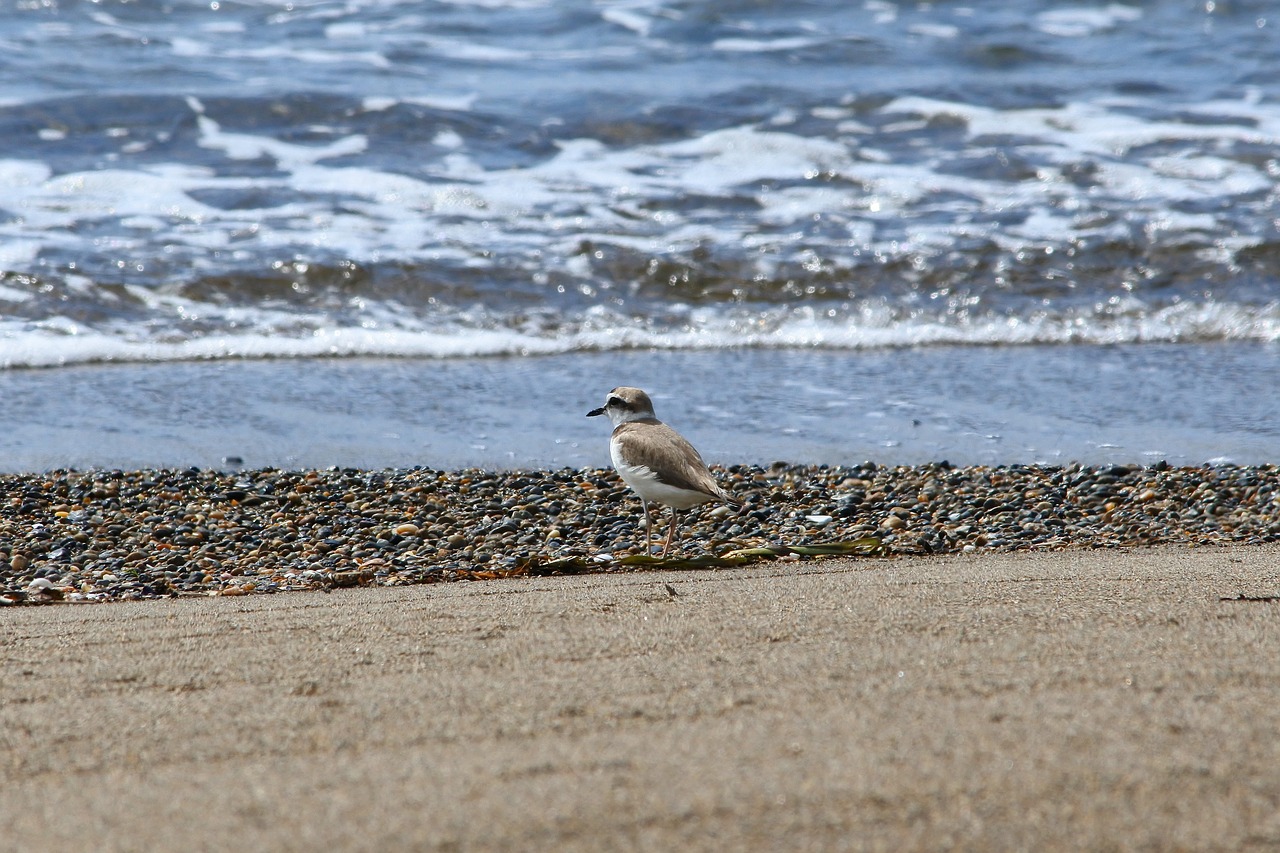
(1023, 189)
(1183, 404)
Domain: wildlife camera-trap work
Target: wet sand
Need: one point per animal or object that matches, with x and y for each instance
(1069, 700)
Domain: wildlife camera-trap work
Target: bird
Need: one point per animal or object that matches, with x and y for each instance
(657, 462)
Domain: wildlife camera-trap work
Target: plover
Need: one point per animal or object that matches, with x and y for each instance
(656, 461)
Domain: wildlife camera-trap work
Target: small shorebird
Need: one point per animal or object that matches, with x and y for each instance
(656, 461)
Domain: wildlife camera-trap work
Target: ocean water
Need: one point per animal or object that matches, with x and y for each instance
(973, 405)
(389, 233)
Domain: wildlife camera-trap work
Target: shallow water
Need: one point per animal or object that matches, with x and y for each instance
(780, 220)
(969, 405)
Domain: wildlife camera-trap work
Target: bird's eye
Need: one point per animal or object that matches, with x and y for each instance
(616, 401)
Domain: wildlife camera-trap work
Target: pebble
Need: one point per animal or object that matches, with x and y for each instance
(103, 535)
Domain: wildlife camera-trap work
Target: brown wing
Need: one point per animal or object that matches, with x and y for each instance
(658, 447)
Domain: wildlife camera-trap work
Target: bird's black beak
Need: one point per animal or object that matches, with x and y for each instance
(594, 412)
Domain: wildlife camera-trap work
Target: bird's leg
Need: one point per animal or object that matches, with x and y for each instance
(671, 532)
(648, 527)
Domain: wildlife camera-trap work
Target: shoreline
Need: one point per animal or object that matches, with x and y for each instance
(1186, 404)
(1082, 699)
(71, 536)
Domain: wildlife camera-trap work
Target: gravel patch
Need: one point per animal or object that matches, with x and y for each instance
(99, 535)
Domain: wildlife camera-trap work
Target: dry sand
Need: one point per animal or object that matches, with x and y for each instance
(1070, 700)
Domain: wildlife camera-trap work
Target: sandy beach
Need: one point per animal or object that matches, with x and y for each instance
(1080, 699)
